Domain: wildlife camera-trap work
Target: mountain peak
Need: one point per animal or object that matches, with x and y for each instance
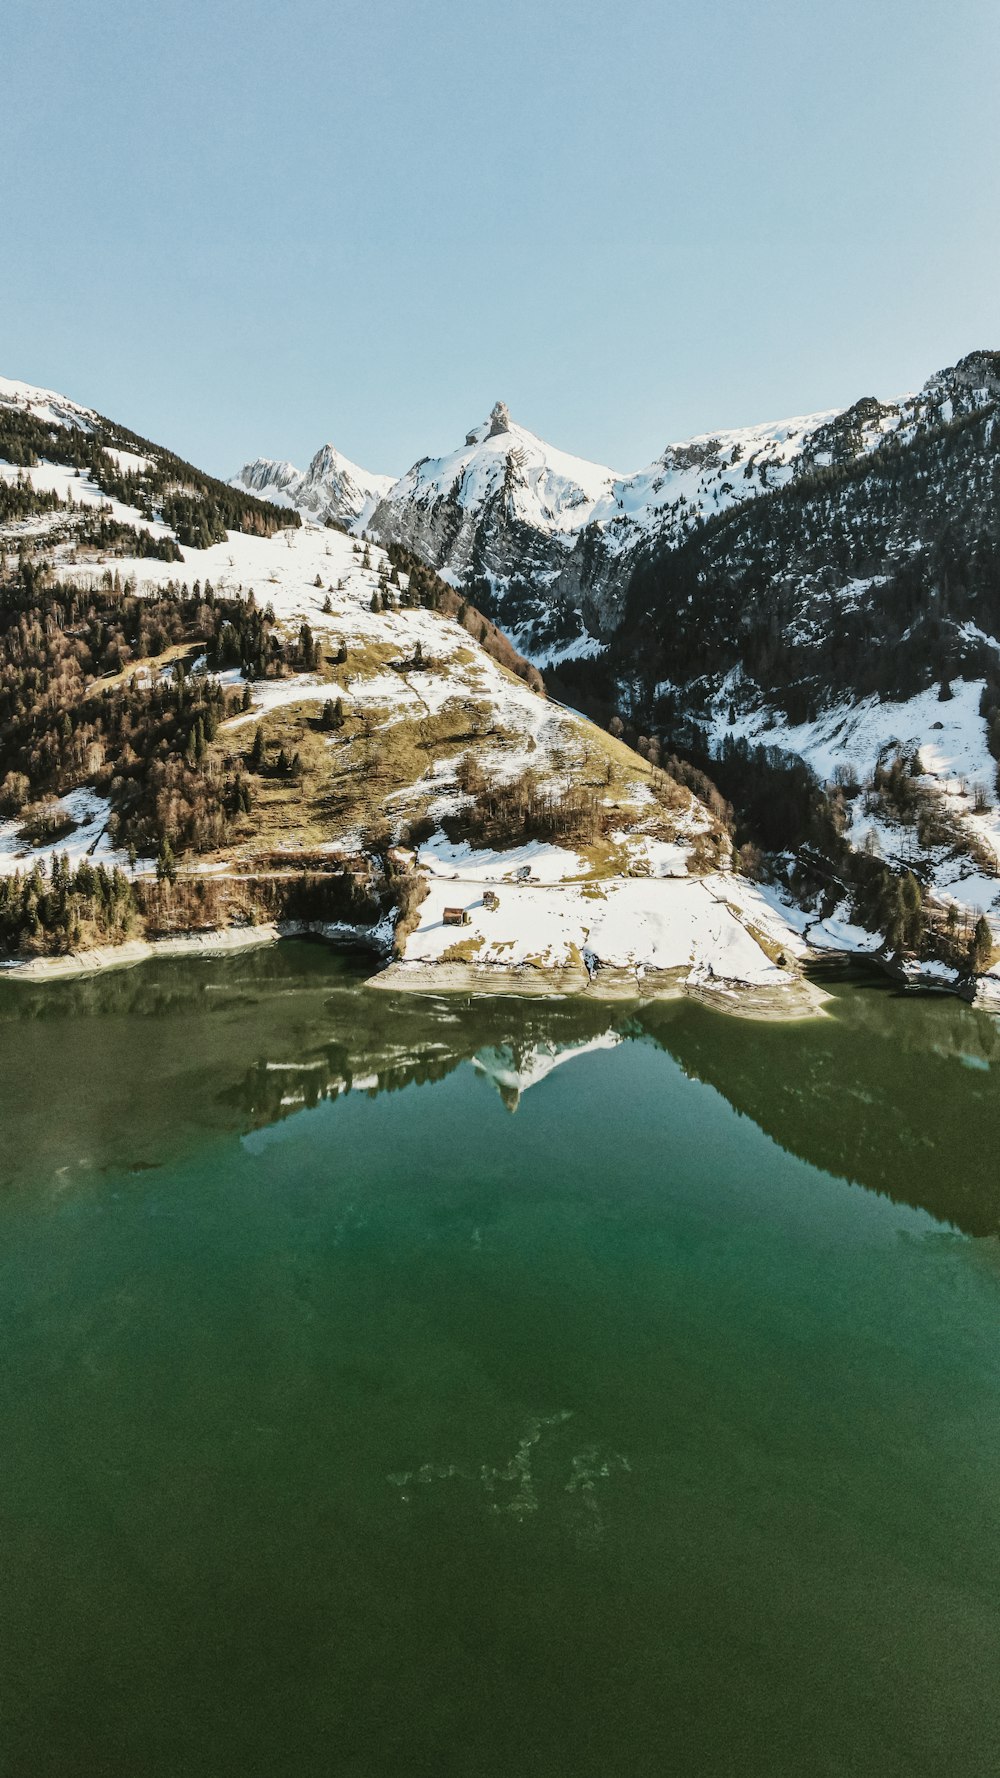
(329, 461)
(331, 488)
(977, 370)
(499, 420)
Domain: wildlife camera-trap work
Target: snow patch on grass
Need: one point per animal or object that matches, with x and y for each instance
(88, 840)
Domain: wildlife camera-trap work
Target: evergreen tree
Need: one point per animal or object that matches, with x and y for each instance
(903, 915)
(894, 915)
(166, 868)
(981, 947)
(913, 906)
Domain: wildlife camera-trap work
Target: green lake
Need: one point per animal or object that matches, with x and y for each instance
(406, 1386)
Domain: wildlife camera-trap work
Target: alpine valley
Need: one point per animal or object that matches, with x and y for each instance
(513, 720)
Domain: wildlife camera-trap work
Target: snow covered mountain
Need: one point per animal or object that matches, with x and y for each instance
(869, 567)
(332, 488)
(547, 542)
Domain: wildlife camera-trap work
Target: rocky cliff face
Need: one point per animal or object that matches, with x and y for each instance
(516, 522)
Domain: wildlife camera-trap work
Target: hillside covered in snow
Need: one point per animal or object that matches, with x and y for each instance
(216, 716)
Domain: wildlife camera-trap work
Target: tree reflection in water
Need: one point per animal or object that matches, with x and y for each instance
(128, 1068)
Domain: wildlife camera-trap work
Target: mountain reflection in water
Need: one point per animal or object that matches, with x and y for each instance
(129, 1068)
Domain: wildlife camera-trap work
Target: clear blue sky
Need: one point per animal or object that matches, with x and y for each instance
(245, 228)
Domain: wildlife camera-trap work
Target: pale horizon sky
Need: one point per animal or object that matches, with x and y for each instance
(244, 229)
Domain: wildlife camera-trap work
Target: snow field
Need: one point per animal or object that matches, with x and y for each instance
(623, 923)
(88, 839)
(63, 481)
(950, 741)
(46, 404)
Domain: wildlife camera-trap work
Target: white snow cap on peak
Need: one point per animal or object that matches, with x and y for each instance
(332, 486)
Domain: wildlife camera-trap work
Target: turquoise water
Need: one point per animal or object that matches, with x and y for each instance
(375, 1401)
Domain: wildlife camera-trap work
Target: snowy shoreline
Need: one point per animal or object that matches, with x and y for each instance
(797, 999)
(532, 923)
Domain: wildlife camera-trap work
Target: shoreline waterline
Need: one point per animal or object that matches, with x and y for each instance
(795, 1000)
(800, 997)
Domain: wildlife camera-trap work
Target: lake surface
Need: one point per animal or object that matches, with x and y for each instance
(393, 1386)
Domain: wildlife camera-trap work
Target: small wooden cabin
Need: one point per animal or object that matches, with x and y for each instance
(491, 899)
(456, 916)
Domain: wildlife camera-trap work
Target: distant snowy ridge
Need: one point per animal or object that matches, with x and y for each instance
(546, 539)
(331, 488)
